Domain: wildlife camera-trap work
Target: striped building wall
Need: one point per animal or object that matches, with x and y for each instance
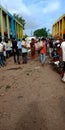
(58, 28)
(19, 30)
(9, 26)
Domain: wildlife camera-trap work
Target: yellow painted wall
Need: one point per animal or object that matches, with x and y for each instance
(4, 23)
(58, 28)
(9, 25)
(19, 30)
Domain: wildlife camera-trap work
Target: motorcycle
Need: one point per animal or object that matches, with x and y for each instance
(57, 60)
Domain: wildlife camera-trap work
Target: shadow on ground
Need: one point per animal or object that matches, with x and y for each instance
(32, 120)
(15, 68)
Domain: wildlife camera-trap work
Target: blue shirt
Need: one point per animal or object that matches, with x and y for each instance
(19, 43)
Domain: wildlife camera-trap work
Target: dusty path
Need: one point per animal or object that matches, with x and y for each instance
(31, 97)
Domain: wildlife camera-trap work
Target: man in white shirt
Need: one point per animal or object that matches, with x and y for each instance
(63, 58)
(1, 55)
(4, 49)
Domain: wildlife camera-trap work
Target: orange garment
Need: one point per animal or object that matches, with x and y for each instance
(43, 50)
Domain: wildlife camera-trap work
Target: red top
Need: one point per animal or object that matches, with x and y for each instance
(43, 50)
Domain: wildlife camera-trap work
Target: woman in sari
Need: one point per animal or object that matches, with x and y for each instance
(32, 46)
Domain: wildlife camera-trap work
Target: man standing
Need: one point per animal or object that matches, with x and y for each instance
(4, 49)
(43, 51)
(19, 43)
(1, 55)
(63, 58)
(24, 51)
(15, 51)
(32, 46)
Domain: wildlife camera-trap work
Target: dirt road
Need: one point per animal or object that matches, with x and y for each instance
(32, 97)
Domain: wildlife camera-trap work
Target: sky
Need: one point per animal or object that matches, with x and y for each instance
(37, 13)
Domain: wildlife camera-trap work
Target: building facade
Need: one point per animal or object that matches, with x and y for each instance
(58, 28)
(9, 26)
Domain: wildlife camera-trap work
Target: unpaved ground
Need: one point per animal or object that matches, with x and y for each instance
(31, 97)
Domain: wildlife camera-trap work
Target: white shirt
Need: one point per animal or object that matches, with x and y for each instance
(24, 50)
(4, 45)
(63, 50)
(1, 47)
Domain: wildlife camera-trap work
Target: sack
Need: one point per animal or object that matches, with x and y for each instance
(38, 45)
(28, 46)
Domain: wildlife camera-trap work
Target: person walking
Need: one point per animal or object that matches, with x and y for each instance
(32, 46)
(19, 43)
(50, 47)
(1, 54)
(15, 51)
(4, 50)
(43, 51)
(24, 51)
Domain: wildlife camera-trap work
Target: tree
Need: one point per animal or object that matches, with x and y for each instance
(20, 19)
(41, 32)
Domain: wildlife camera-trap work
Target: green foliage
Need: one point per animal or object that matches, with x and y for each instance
(41, 32)
(20, 19)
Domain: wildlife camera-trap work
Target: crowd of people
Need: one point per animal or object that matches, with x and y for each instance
(41, 46)
(20, 47)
